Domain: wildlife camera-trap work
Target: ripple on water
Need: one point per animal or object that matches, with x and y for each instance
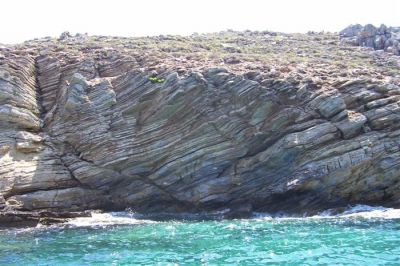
(360, 236)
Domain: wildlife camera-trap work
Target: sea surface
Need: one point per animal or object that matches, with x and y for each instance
(362, 235)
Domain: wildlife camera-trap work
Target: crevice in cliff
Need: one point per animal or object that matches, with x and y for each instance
(42, 128)
(78, 154)
(51, 184)
(39, 90)
(71, 173)
(162, 189)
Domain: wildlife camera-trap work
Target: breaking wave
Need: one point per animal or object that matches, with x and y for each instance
(357, 211)
(128, 218)
(105, 219)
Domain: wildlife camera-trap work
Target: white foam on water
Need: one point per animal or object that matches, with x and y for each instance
(365, 211)
(357, 211)
(127, 218)
(105, 219)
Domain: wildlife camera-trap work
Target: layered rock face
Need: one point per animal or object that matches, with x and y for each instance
(86, 126)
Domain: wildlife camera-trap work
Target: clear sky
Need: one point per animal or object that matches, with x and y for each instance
(26, 19)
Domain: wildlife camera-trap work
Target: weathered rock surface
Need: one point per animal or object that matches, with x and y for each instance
(382, 38)
(84, 127)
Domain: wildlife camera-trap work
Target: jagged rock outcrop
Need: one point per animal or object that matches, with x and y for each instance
(86, 124)
(382, 38)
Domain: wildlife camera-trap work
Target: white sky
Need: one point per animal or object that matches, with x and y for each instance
(27, 19)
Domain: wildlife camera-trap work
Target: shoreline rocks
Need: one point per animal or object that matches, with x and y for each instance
(13, 218)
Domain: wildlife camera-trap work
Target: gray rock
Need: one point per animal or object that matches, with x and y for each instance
(379, 42)
(329, 106)
(351, 31)
(64, 36)
(368, 31)
(72, 199)
(352, 124)
(382, 38)
(382, 30)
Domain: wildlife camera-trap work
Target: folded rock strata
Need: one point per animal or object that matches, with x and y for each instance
(86, 128)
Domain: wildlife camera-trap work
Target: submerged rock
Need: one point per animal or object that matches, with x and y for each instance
(125, 123)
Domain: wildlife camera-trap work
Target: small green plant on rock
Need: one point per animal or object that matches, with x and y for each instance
(155, 79)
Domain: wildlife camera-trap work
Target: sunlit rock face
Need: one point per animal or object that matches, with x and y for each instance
(108, 123)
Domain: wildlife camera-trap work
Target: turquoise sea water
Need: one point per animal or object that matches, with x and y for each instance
(364, 238)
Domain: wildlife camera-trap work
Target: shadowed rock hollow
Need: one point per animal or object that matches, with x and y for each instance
(251, 121)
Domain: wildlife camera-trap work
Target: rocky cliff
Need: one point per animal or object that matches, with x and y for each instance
(247, 121)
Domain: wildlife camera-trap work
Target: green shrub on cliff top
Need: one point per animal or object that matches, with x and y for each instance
(155, 79)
